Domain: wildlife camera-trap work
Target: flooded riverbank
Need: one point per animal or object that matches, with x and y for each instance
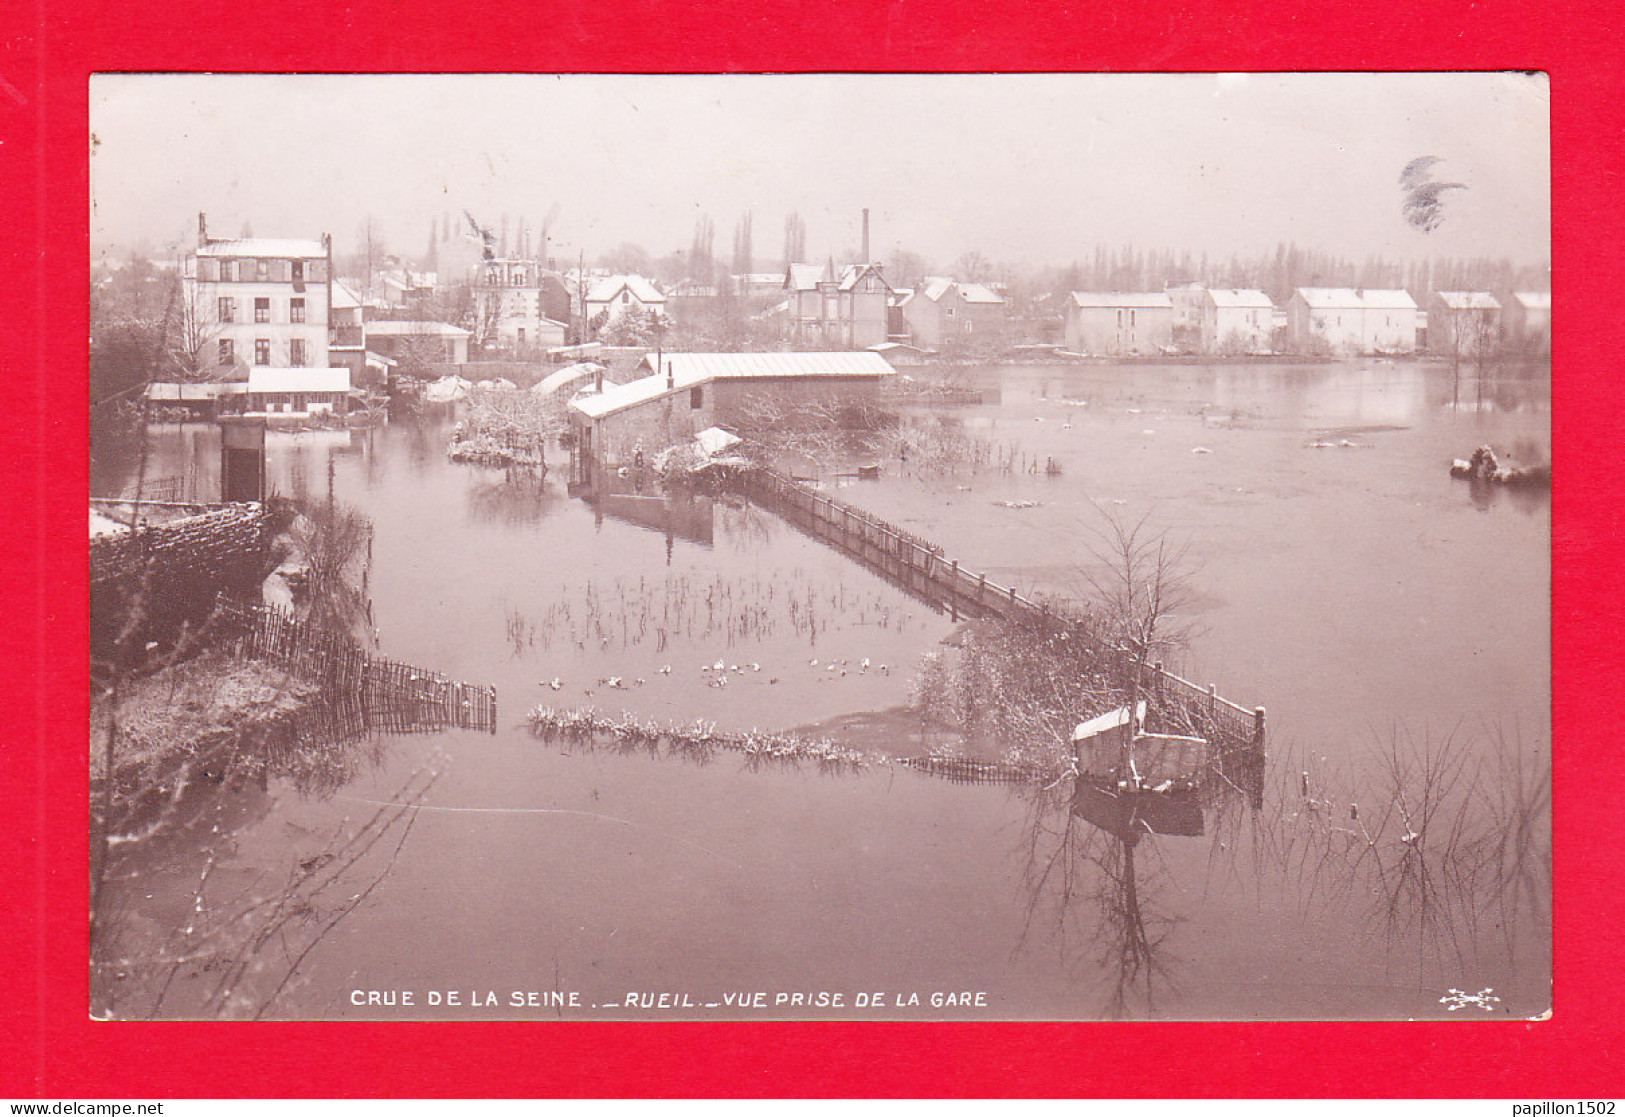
(1346, 582)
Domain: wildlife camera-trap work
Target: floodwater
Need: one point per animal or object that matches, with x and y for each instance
(1393, 620)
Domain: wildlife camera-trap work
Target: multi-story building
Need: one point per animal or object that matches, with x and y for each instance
(1236, 320)
(520, 305)
(1351, 321)
(258, 302)
(946, 312)
(1119, 323)
(848, 311)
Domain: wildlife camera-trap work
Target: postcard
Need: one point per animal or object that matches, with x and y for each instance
(820, 547)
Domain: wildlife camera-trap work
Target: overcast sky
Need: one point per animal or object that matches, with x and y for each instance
(1037, 168)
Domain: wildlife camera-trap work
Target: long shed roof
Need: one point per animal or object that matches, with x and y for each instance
(688, 370)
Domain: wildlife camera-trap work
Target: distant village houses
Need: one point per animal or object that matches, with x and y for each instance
(1351, 321)
(1461, 321)
(1119, 323)
(612, 298)
(828, 311)
(1234, 321)
(1526, 319)
(521, 305)
(943, 312)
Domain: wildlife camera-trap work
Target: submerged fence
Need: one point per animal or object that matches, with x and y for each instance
(922, 569)
(391, 696)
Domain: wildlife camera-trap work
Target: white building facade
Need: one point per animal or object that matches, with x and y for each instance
(258, 302)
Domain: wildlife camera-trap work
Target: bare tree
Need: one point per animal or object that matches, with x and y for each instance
(1143, 587)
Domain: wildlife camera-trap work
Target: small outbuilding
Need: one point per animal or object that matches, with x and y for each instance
(693, 391)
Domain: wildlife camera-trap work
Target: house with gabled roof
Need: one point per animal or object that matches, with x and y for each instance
(1526, 320)
(1351, 321)
(1463, 319)
(1119, 323)
(614, 297)
(845, 310)
(944, 312)
(1235, 320)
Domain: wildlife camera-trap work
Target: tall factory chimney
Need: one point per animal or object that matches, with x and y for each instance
(865, 258)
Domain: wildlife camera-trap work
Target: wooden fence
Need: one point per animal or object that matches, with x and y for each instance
(921, 569)
(393, 697)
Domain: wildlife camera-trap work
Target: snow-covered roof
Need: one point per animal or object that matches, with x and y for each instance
(689, 370)
(447, 389)
(1351, 298)
(803, 277)
(979, 293)
(607, 289)
(298, 380)
(1093, 300)
(415, 329)
(854, 272)
(1113, 720)
(569, 374)
(936, 286)
(1467, 300)
(265, 246)
(903, 297)
(1533, 300)
(344, 298)
(1244, 298)
(714, 440)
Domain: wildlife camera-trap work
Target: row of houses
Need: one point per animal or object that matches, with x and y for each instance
(1315, 320)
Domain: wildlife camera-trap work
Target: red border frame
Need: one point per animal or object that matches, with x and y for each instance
(53, 1049)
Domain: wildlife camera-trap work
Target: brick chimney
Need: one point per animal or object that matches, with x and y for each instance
(865, 255)
(202, 229)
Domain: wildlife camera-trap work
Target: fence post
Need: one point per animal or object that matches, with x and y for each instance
(1258, 727)
(953, 591)
(981, 587)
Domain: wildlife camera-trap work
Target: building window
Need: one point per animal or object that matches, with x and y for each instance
(296, 351)
(296, 310)
(262, 269)
(696, 398)
(626, 297)
(208, 270)
(262, 350)
(521, 337)
(519, 277)
(228, 310)
(262, 310)
(227, 352)
(298, 271)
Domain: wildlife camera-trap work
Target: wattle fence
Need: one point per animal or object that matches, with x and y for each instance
(393, 696)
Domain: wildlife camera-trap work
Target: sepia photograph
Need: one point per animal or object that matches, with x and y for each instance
(821, 546)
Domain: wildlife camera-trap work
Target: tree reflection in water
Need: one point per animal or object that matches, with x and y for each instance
(1441, 853)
